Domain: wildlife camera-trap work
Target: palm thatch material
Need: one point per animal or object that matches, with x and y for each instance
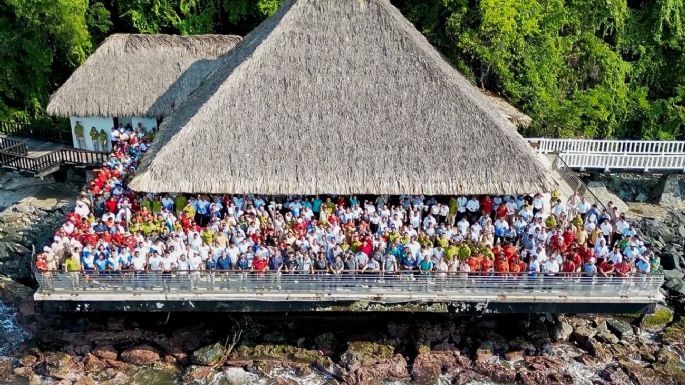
(140, 75)
(338, 96)
(516, 117)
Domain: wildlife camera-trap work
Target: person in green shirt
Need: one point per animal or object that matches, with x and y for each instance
(181, 202)
(452, 216)
(94, 137)
(207, 236)
(79, 132)
(156, 205)
(104, 138)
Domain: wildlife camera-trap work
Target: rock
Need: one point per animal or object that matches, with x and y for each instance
(202, 374)
(614, 375)
(84, 381)
(391, 369)
(562, 331)
(61, 366)
(280, 353)
(426, 369)
(116, 364)
(106, 352)
(543, 371)
(209, 355)
(467, 377)
(140, 355)
(670, 261)
(28, 360)
(361, 354)
(582, 335)
(513, 356)
(93, 364)
(621, 328)
(24, 371)
(657, 321)
(496, 372)
(325, 342)
(485, 351)
(607, 337)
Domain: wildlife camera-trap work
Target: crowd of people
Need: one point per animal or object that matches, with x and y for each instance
(113, 230)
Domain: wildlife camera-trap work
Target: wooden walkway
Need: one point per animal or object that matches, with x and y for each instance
(42, 158)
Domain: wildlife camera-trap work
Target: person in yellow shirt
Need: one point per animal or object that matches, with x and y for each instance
(73, 267)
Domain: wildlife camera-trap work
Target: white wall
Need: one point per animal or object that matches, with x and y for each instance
(149, 123)
(87, 123)
(125, 120)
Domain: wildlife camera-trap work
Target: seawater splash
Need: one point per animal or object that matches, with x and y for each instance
(11, 334)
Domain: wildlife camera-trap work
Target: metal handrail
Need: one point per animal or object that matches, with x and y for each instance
(574, 181)
(609, 161)
(32, 131)
(52, 159)
(549, 145)
(448, 285)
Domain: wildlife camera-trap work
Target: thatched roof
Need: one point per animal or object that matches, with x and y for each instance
(516, 117)
(338, 96)
(140, 75)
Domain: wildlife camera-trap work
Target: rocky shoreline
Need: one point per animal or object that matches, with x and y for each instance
(531, 350)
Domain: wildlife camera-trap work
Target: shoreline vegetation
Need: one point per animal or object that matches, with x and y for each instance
(579, 69)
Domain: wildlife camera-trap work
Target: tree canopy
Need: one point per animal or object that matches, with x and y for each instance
(590, 68)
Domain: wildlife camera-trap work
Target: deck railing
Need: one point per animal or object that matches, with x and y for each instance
(38, 165)
(446, 286)
(614, 162)
(545, 146)
(23, 130)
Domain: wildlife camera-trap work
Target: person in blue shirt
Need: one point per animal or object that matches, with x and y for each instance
(408, 262)
(101, 263)
(244, 266)
(316, 205)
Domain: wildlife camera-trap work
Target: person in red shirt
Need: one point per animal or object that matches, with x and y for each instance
(569, 236)
(487, 265)
(112, 205)
(510, 251)
(606, 268)
(569, 265)
(260, 264)
(501, 211)
(623, 268)
(486, 205)
(502, 265)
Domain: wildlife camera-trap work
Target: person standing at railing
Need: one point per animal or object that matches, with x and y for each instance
(195, 265)
(95, 138)
(103, 137)
(73, 267)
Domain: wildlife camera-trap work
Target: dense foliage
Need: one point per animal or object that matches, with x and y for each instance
(593, 68)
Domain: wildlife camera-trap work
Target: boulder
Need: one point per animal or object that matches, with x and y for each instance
(670, 261)
(209, 355)
(106, 352)
(657, 321)
(622, 329)
(93, 364)
(84, 381)
(614, 375)
(325, 342)
(362, 353)
(426, 369)
(562, 331)
(28, 360)
(391, 369)
(513, 356)
(485, 351)
(24, 371)
(429, 366)
(582, 335)
(198, 374)
(60, 365)
(140, 355)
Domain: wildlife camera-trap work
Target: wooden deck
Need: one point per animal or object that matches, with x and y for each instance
(42, 158)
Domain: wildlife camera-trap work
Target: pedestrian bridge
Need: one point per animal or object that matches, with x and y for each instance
(615, 155)
(255, 292)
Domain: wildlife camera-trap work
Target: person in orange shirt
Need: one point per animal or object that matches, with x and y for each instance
(502, 265)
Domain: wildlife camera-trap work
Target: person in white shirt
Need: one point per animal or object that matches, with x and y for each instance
(461, 206)
(195, 264)
(443, 213)
(463, 225)
(472, 206)
(538, 204)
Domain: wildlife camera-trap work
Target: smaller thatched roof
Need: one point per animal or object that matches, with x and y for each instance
(516, 117)
(140, 75)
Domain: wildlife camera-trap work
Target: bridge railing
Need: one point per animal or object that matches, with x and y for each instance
(404, 283)
(37, 165)
(613, 162)
(50, 134)
(545, 146)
